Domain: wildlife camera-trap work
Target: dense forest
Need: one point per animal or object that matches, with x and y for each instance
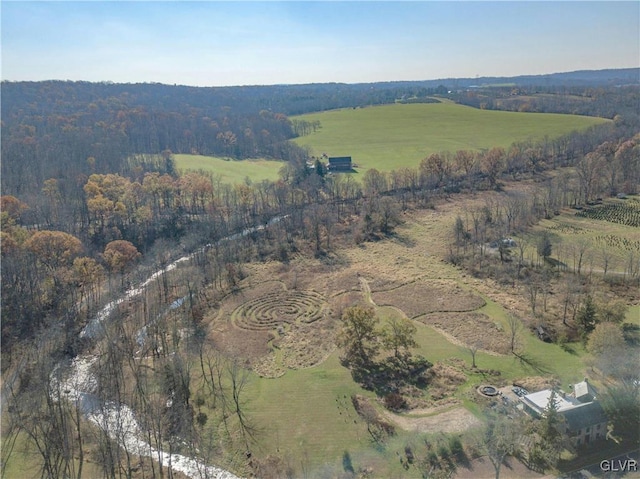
(619, 101)
(92, 201)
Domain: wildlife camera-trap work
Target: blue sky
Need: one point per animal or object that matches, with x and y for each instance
(211, 43)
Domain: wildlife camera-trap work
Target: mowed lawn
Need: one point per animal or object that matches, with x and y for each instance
(393, 136)
(231, 171)
(307, 415)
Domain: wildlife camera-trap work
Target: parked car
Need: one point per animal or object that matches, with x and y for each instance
(520, 392)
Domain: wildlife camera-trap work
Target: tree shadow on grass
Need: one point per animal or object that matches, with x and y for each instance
(391, 374)
(529, 362)
(347, 464)
(459, 457)
(333, 259)
(403, 240)
(568, 348)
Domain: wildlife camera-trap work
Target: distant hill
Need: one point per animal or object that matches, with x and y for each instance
(609, 77)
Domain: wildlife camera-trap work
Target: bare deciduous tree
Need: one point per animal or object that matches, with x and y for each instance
(515, 329)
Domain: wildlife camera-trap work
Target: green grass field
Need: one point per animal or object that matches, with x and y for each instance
(231, 171)
(309, 416)
(393, 136)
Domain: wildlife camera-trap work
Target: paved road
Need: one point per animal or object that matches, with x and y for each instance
(622, 466)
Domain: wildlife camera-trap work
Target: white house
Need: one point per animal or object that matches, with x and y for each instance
(584, 417)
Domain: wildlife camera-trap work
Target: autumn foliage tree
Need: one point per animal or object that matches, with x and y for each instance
(87, 273)
(398, 336)
(12, 205)
(120, 256)
(492, 165)
(54, 249)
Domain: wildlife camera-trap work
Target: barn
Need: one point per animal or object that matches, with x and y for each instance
(340, 163)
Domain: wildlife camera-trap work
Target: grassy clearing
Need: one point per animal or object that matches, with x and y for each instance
(307, 414)
(394, 136)
(231, 171)
(633, 315)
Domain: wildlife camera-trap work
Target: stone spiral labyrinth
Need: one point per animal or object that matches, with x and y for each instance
(277, 308)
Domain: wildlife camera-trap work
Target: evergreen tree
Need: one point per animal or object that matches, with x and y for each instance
(550, 435)
(544, 246)
(587, 317)
(320, 168)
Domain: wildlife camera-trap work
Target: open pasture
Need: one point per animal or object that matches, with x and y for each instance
(393, 136)
(228, 170)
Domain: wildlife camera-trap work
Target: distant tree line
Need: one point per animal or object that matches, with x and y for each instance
(613, 102)
(67, 131)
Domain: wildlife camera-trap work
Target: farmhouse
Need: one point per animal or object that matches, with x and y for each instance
(339, 163)
(585, 419)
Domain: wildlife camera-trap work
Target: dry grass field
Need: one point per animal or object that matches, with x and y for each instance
(423, 297)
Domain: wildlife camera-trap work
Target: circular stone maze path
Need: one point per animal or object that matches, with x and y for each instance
(279, 308)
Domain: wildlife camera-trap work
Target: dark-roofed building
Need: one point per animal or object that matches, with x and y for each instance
(586, 423)
(340, 163)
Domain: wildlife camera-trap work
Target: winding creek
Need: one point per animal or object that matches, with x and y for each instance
(79, 384)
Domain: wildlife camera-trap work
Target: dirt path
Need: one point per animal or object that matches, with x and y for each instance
(454, 420)
(366, 291)
(511, 469)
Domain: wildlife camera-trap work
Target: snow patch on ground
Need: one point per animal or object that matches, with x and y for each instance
(78, 384)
